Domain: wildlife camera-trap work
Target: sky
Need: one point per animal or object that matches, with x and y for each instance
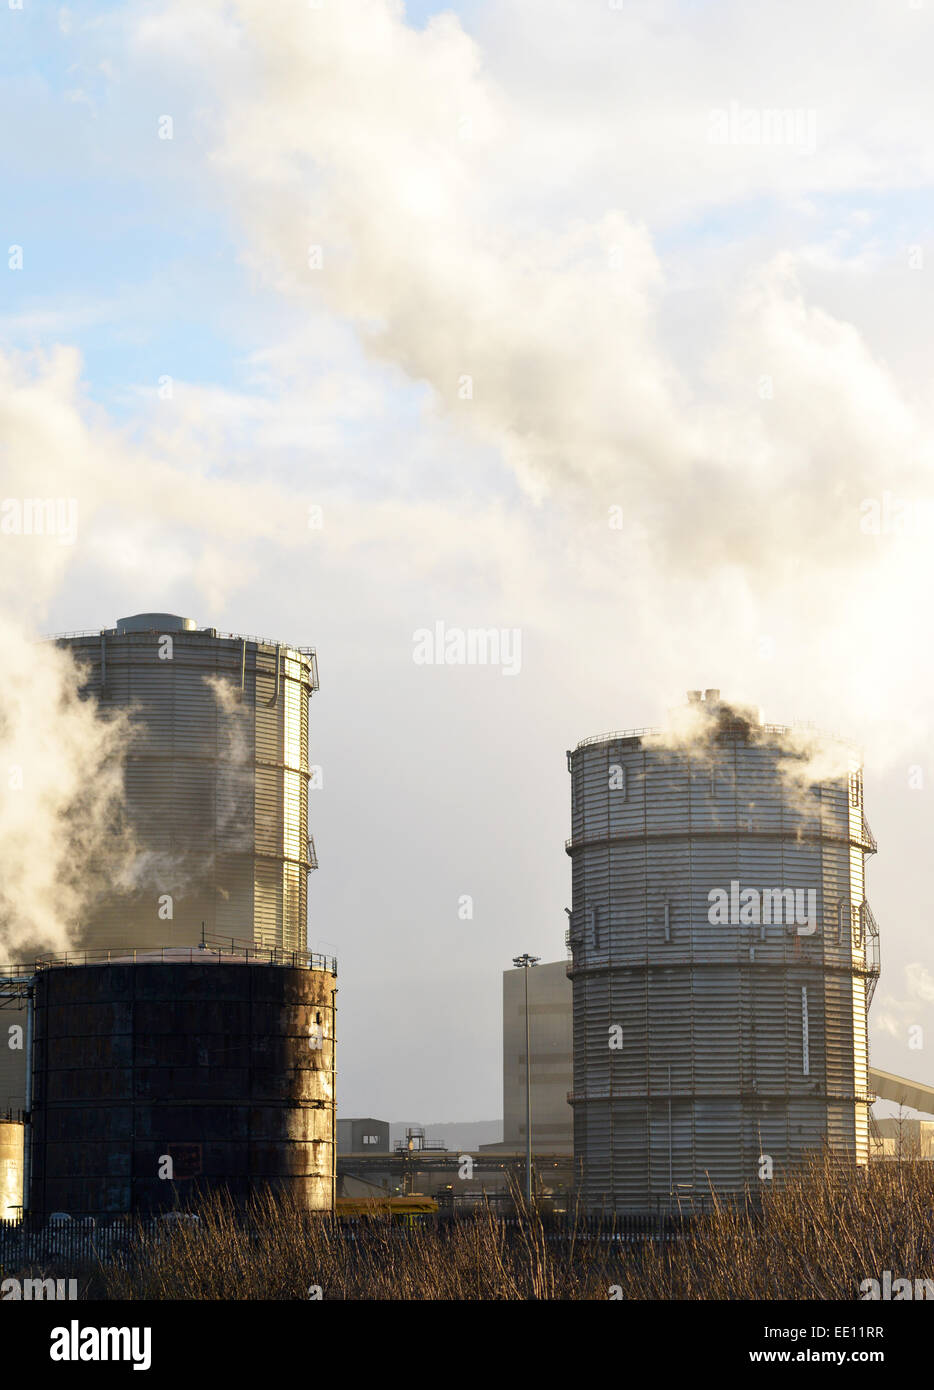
(603, 324)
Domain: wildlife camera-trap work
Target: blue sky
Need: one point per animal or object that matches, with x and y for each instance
(131, 256)
(123, 250)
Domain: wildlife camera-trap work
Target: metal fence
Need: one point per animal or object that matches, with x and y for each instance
(630, 1229)
(78, 1245)
(73, 1244)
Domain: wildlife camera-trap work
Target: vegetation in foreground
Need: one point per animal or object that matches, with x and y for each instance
(816, 1237)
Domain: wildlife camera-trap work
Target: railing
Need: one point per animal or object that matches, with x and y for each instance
(40, 1249)
(262, 641)
(226, 636)
(214, 949)
(770, 730)
(618, 735)
(872, 954)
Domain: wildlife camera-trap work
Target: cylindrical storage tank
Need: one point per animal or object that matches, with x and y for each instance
(14, 1020)
(11, 1169)
(192, 1071)
(216, 782)
(720, 1021)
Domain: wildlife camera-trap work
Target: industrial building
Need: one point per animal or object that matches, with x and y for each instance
(550, 1048)
(455, 1178)
(900, 1136)
(363, 1136)
(905, 1139)
(713, 1048)
(491, 1172)
(188, 1039)
(550, 1032)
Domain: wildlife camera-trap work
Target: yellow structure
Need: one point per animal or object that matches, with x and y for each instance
(416, 1204)
(11, 1170)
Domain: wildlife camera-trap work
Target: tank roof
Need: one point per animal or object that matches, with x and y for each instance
(156, 622)
(214, 951)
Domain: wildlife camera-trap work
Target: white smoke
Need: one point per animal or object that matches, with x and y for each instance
(392, 175)
(235, 770)
(60, 764)
(60, 795)
(63, 474)
(376, 167)
(805, 758)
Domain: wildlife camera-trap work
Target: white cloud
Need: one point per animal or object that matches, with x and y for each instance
(741, 467)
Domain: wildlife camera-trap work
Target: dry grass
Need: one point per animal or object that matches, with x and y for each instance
(816, 1237)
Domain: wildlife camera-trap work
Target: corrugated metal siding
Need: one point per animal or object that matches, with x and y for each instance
(12, 1061)
(711, 1075)
(216, 789)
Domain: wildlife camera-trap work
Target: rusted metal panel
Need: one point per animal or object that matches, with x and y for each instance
(711, 1075)
(224, 1069)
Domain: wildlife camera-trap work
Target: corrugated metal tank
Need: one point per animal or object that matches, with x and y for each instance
(11, 1169)
(702, 1050)
(224, 1065)
(216, 784)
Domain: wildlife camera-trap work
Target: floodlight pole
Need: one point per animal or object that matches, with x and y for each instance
(525, 962)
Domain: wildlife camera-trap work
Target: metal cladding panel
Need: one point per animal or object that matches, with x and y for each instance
(227, 1069)
(216, 781)
(12, 1060)
(740, 1039)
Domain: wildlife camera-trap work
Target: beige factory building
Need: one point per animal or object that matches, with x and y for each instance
(550, 1020)
(902, 1138)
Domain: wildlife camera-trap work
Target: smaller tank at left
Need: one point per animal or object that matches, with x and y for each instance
(11, 1169)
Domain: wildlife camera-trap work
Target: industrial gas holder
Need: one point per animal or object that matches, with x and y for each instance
(187, 1042)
